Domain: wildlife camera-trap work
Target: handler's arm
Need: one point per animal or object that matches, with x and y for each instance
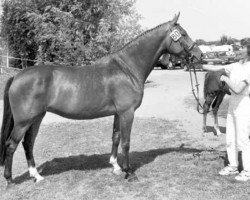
(236, 88)
(212, 68)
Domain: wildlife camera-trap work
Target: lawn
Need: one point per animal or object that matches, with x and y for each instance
(73, 158)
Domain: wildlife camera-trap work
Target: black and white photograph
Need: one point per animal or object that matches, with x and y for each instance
(124, 99)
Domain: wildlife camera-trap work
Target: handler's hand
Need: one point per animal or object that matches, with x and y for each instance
(223, 78)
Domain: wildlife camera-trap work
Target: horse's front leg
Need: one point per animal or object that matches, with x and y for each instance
(204, 125)
(216, 122)
(216, 106)
(126, 120)
(206, 106)
(116, 140)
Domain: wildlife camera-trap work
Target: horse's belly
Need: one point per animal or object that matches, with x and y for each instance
(86, 112)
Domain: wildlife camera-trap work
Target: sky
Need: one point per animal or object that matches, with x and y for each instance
(202, 19)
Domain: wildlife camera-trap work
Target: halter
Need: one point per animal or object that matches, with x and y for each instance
(177, 37)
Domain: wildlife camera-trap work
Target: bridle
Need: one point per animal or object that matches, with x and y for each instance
(178, 37)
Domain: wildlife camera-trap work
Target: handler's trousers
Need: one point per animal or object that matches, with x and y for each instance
(238, 129)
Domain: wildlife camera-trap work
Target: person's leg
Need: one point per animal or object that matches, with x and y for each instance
(243, 130)
(232, 152)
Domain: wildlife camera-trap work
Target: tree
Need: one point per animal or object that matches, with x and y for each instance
(16, 30)
(227, 40)
(223, 40)
(200, 42)
(67, 31)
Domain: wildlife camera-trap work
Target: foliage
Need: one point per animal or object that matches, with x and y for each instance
(16, 30)
(244, 41)
(227, 40)
(200, 42)
(68, 31)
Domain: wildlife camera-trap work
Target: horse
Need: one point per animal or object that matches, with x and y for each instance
(214, 93)
(112, 86)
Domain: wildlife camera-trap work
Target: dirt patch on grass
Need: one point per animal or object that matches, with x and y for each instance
(73, 158)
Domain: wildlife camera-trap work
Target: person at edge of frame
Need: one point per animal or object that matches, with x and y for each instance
(238, 116)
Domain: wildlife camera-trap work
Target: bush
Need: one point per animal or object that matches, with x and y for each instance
(65, 31)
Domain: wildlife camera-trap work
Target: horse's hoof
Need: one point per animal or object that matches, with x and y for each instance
(10, 186)
(218, 133)
(132, 177)
(38, 179)
(117, 172)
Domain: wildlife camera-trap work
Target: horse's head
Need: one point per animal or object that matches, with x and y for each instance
(179, 43)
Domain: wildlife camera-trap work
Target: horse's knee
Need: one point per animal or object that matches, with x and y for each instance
(206, 106)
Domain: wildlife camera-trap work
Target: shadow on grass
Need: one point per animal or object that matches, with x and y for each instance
(211, 129)
(101, 161)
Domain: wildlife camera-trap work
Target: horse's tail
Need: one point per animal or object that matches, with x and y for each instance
(7, 123)
(205, 87)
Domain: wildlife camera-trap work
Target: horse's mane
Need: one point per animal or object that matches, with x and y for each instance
(132, 42)
(144, 34)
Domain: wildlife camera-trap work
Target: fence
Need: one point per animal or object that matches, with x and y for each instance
(5, 60)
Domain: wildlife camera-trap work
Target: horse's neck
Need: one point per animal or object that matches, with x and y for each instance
(144, 53)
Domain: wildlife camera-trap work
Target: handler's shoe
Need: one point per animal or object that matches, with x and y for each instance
(228, 170)
(243, 176)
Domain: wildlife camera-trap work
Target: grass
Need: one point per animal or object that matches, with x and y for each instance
(73, 158)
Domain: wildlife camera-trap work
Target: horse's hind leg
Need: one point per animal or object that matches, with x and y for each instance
(116, 140)
(215, 106)
(28, 145)
(208, 101)
(16, 136)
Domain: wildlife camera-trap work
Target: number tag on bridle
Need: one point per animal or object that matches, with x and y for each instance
(175, 35)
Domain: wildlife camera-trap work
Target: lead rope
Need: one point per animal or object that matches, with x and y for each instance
(196, 96)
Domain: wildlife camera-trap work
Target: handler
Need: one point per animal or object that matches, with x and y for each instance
(238, 116)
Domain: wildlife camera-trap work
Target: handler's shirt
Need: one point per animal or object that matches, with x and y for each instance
(239, 72)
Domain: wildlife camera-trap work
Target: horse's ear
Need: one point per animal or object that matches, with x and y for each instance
(175, 20)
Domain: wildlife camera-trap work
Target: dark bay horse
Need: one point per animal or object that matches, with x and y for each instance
(112, 86)
(214, 92)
